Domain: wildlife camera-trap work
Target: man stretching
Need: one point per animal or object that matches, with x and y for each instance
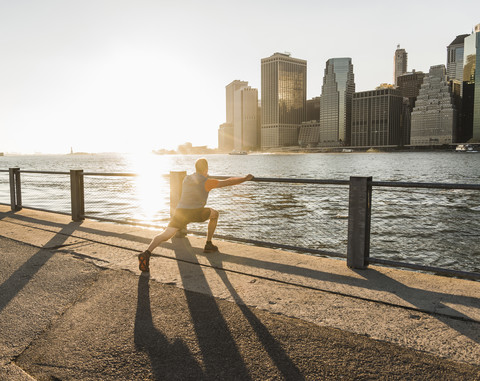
(191, 208)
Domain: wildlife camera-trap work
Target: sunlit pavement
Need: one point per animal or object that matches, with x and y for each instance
(73, 305)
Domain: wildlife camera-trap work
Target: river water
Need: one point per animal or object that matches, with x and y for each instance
(430, 227)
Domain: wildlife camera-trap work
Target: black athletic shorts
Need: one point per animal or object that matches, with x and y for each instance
(182, 217)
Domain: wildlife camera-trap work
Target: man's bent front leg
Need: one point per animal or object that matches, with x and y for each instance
(168, 233)
(212, 224)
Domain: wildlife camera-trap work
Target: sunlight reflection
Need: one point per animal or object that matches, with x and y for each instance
(152, 186)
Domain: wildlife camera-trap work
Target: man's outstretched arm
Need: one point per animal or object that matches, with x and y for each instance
(212, 183)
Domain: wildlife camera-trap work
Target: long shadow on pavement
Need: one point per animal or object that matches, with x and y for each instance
(20, 278)
(221, 355)
(280, 358)
(167, 360)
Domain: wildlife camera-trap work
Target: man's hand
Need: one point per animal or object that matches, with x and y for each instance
(248, 177)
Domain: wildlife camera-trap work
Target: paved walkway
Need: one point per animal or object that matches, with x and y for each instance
(73, 305)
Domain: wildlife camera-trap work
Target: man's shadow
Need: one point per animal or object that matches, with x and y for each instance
(284, 364)
(167, 360)
(220, 352)
(209, 321)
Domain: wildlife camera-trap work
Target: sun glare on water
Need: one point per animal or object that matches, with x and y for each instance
(152, 186)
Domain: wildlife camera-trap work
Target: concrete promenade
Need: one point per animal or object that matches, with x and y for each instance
(74, 306)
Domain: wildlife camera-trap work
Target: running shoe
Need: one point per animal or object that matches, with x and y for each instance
(144, 261)
(210, 248)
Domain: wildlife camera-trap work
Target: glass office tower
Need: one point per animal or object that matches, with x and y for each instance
(471, 85)
(336, 102)
(283, 99)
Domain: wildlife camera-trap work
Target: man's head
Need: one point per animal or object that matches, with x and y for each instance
(201, 166)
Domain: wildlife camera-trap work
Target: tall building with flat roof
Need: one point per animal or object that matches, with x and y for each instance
(434, 118)
(240, 132)
(409, 85)
(471, 85)
(230, 90)
(283, 97)
(336, 102)
(313, 109)
(399, 63)
(245, 121)
(377, 118)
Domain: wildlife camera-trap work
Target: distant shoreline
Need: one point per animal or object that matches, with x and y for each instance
(282, 151)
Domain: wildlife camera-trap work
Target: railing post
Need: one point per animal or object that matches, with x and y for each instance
(176, 181)
(77, 194)
(15, 189)
(359, 215)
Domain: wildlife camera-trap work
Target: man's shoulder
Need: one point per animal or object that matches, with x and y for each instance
(211, 184)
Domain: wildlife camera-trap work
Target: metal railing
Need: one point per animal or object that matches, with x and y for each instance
(271, 207)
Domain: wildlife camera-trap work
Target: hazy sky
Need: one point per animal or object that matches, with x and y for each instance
(137, 75)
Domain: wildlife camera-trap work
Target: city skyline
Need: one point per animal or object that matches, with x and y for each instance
(123, 76)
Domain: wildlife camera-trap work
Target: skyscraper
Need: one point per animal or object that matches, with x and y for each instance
(313, 109)
(230, 90)
(455, 52)
(226, 130)
(409, 85)
(471, 85)
(245, 120)
(336, 102)
(240, 132)
(284, 94)
(434, 117)
(455, 58)
(400, 63)
(377, 118)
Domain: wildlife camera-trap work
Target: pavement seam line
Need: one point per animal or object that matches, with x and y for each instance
(427, 312)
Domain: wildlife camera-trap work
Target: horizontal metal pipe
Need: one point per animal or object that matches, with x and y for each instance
(110, 174)
(438, 270)
(398, 184)
(46, 172)
(289, 180)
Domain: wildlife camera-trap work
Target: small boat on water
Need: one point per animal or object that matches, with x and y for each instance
(238, 153)
(466, 148)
